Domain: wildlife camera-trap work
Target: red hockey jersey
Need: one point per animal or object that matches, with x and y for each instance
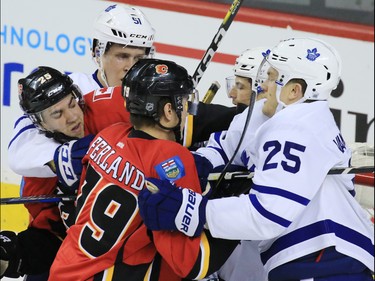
(109, 238)
(103, 107)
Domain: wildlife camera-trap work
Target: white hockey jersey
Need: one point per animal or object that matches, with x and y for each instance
(29, 149)
(294, 207)
(222, 145)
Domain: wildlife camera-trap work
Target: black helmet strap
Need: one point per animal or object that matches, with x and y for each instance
(176, 129)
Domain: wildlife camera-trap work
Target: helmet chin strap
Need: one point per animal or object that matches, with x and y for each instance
(59, 137)
(98, 59)
(176, 129)
(102, 73)
(281, 105)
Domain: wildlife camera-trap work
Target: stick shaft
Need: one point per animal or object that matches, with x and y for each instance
(211, 92)
(207, 57)
(333, 171)
(211, 177)
(37, 199)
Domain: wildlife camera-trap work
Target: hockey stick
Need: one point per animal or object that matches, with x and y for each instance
(248, 117)
(207, 57)
(38, 199)
(211, 92)
(211, 177)
(249, 175)
(188, 128)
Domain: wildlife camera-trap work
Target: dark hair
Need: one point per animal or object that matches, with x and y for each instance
(299, 81)
(148, 121)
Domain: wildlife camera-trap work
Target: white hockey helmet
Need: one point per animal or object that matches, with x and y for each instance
(312, 60)
(124, 25)
(247, 64)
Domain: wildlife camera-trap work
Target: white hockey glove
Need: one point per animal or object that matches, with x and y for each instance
(68, 161)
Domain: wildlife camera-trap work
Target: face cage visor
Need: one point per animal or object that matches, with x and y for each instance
(193, 102)
(268, 73)
(230, 84)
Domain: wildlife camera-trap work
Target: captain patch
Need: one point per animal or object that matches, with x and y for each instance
(171, 169)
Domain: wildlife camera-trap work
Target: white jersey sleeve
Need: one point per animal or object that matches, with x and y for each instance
(29, 150)
(86, 82)
(222, 145)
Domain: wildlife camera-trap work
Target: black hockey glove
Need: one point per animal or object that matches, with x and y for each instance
(204, 168)
(10, 260)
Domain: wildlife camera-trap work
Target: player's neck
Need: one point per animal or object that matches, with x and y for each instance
(159, 133)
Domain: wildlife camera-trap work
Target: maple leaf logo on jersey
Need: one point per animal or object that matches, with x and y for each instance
(161, 69)
(312, 54)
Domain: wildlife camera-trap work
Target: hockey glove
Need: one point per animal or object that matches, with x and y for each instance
(67, 209)
(204, 168)
(10, 260)
(168, 207)
(68, 161)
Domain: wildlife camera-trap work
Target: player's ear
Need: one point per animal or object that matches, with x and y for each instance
(295, 92)
(168, 111)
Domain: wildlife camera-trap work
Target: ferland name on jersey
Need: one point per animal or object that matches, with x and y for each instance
(114, 165)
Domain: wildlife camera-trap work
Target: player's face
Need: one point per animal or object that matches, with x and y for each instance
(65, 117)
(240, 93)
(269, 92)
(118, 60)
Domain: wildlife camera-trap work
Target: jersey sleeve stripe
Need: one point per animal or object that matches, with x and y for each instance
(281, 192)
(314, 230)
(19, 120)
(268, 215)
(20, 132)
(219, 148)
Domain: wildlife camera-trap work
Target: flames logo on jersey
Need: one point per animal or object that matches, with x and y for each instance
(161, 69)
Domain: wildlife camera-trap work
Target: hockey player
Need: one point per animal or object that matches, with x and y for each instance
(240, 87)
(109, 238)
(310, 224)
(114, 55)
(56, 107)
(41, 103)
